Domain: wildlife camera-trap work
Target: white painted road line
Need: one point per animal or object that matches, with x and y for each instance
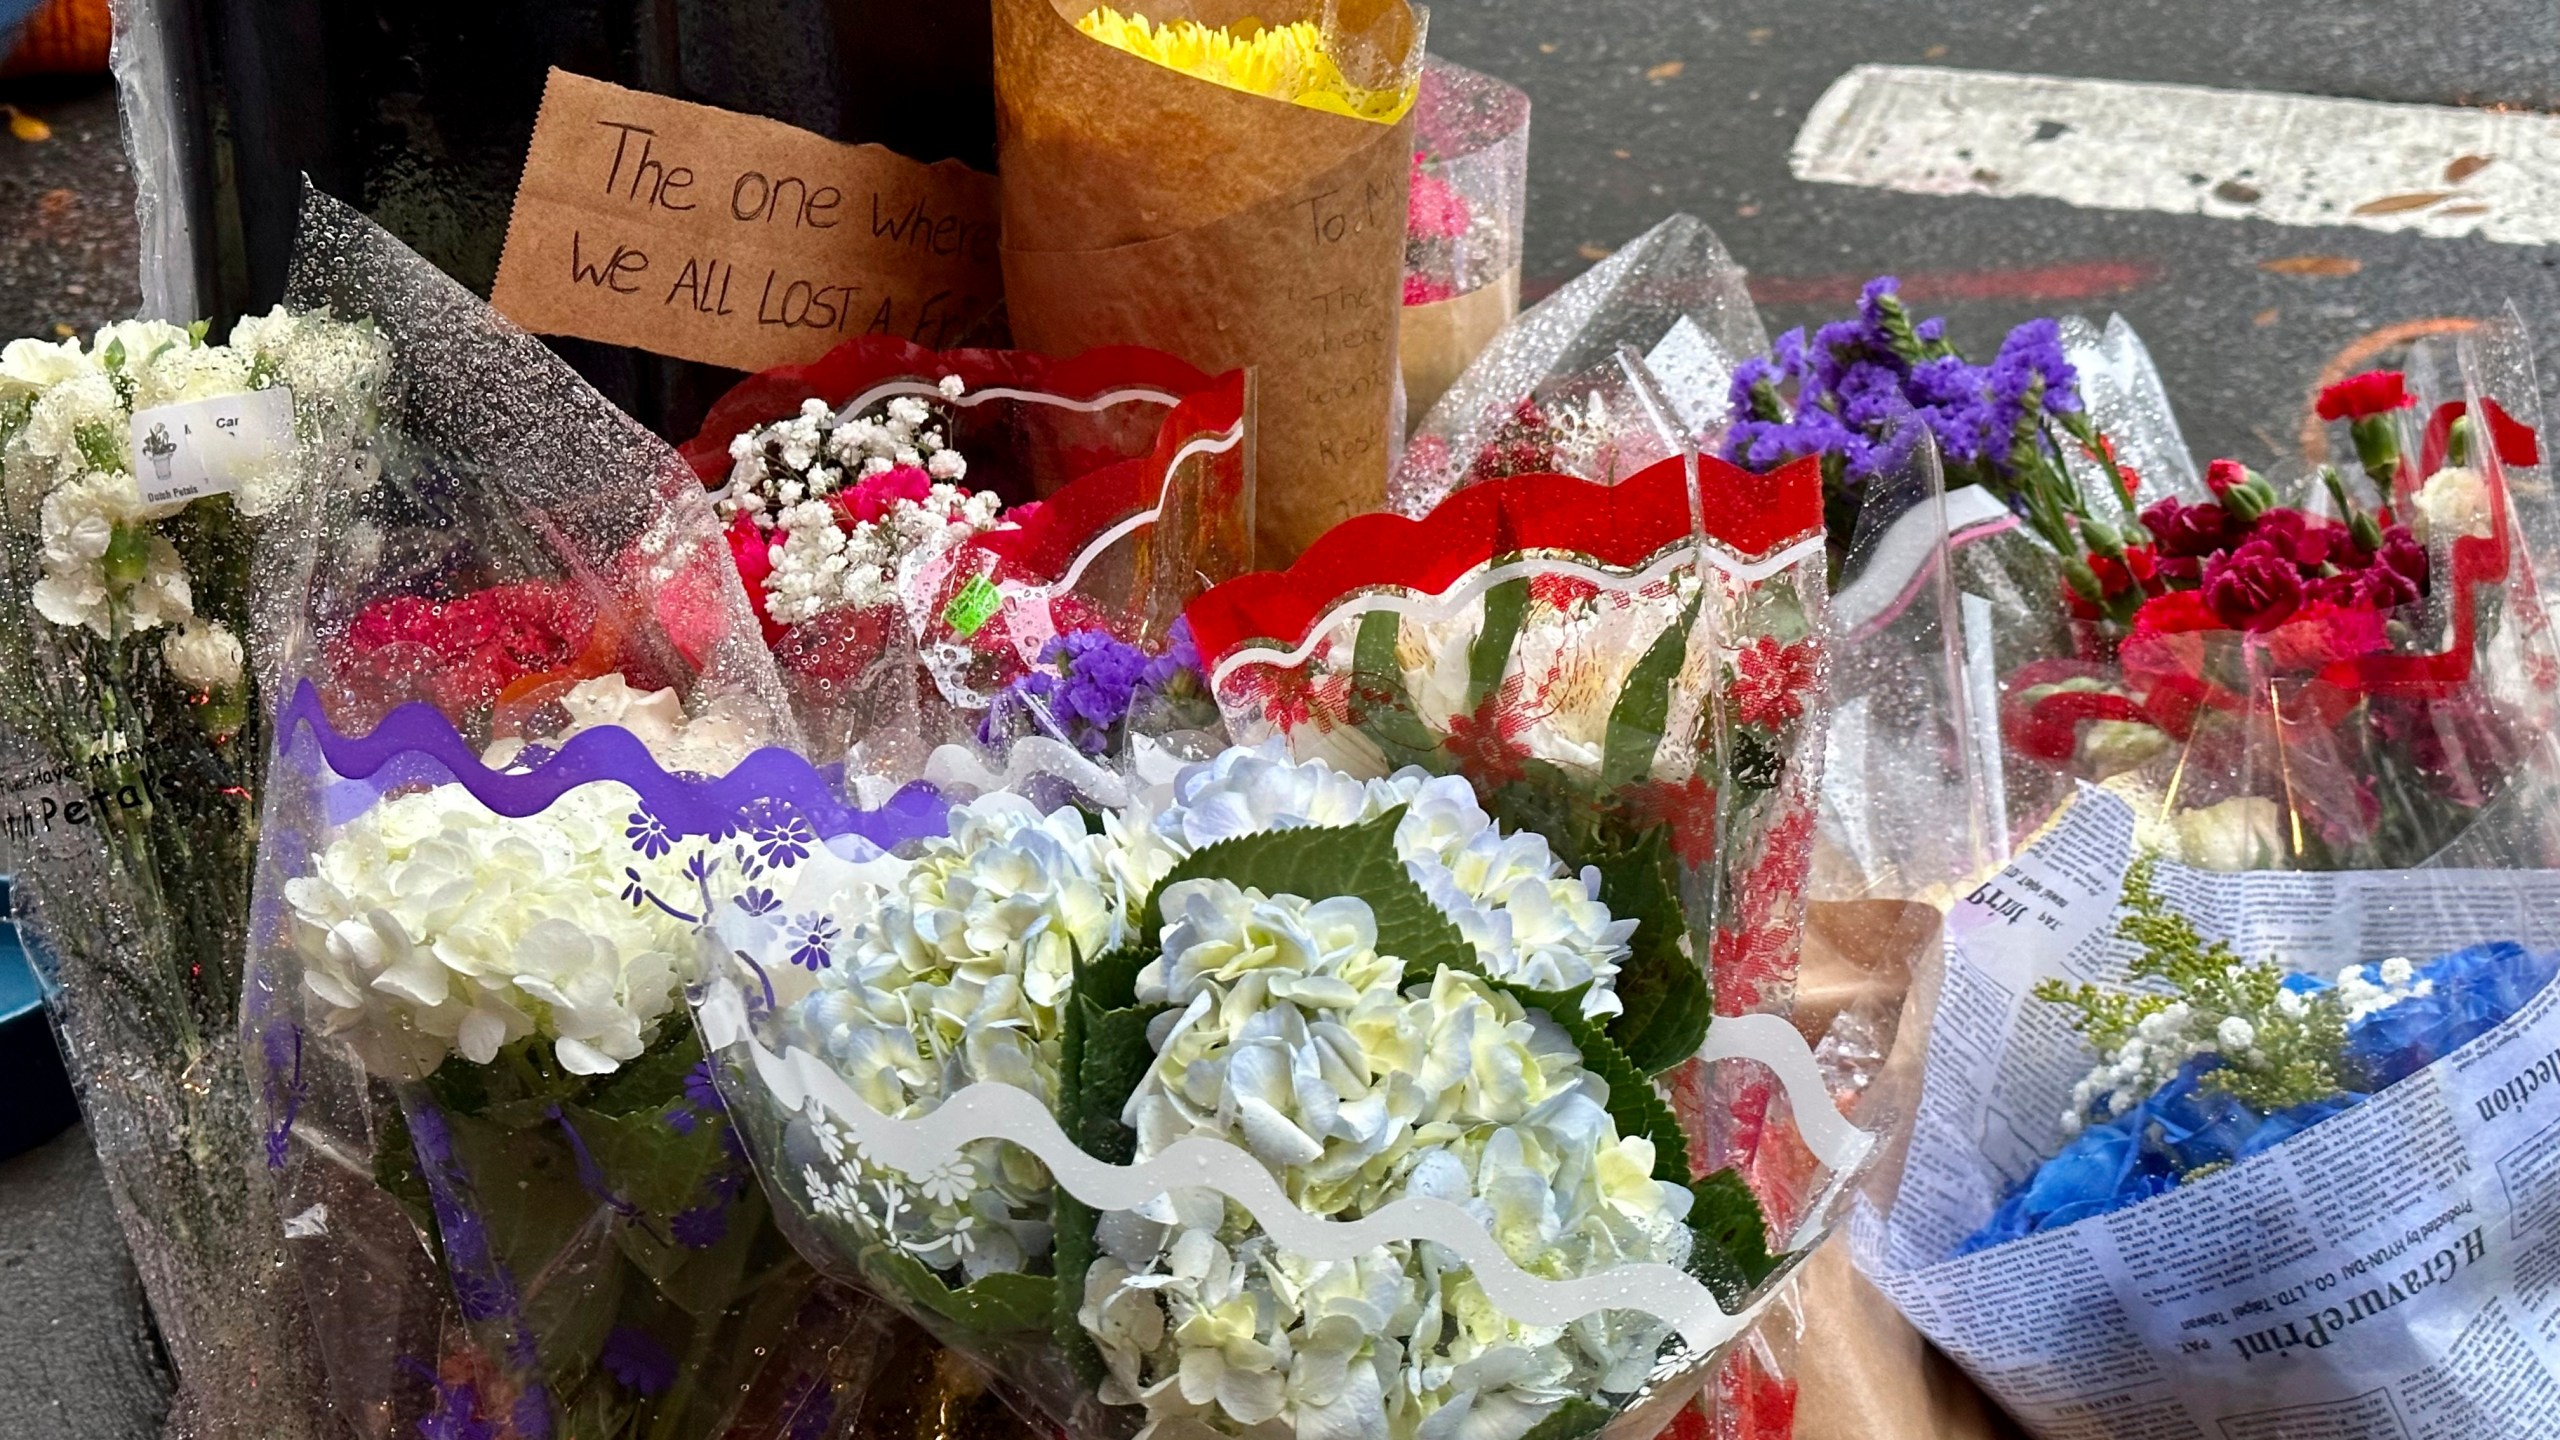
(2189, 150)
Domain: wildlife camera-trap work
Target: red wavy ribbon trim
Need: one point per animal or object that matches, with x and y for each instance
(1621, 526)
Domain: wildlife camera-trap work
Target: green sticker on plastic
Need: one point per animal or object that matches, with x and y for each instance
(971, 609)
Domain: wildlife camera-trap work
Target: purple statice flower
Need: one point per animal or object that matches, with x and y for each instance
(638, 1361)
(701, 1227)
(456, 1413)
(1080, 692)
(1858, 382)
(702, 1089)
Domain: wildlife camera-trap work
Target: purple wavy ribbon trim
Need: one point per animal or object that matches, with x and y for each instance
(764, 782)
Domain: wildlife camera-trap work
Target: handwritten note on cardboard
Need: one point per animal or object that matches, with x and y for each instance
(733, 239)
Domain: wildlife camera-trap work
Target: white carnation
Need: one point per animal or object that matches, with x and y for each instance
(204, 655)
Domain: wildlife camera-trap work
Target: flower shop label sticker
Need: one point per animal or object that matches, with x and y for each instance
(735, 240)
(209, 446)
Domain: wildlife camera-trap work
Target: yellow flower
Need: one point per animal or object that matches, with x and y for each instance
(1280, 62)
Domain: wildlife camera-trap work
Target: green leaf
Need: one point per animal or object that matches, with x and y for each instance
(395, 1171)
(1667, 998)
(1318, 862)
(1731, 1249)
(642, 1159)
(1644, 706)
(998, 1304)
(654, 1080)
(1379, 704)
(1572, 1420)
(1633, 1105)
(1505, 605)
(1102, 1056)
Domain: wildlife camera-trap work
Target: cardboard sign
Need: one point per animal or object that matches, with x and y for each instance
(209, 446)
(732, 239)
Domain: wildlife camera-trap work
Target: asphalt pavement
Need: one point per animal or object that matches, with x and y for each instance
(1642, 107)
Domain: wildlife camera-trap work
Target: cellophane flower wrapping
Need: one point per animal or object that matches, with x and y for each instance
(2282, 941)
(507, 1183)
(2297, 685)
(136, 470)
(1092, 495)
(1470, 199)
(1556, 391)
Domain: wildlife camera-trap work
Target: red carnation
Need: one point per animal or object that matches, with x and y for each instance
(2358, 397)
(2253, 588)
(2188, 532)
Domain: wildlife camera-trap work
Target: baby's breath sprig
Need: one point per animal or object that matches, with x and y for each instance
(2279, 1047)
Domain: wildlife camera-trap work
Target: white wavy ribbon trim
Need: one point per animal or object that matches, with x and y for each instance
(972, 398)
(1449, 601)
(1001, 1112)
(1770, 1040)
(1026, 758)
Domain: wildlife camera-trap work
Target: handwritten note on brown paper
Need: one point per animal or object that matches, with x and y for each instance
(733, 239)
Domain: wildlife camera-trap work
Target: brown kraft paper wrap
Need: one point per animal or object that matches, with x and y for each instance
(1441, 338)
(1862, 1372)
(1144, 206)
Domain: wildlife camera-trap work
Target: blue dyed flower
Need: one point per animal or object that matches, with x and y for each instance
(703, 1089)
(2189, 1124)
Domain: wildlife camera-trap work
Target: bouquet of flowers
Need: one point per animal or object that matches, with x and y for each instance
(2301, 923)
(1378, 1076)
(513, 1195)
(2286, 1190)
(1232, 193)
(922, 534)
(1627, 364)
(1470, 197)
(135, 471)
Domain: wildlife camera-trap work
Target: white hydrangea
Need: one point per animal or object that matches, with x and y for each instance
(956, 973)
(431, 926)
(1530, 922)
(781, 475)
(1292, 1036)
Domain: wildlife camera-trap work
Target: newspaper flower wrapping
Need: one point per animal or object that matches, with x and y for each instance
(919, 530)
(507, 1183)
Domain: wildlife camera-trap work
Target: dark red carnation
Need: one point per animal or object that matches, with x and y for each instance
(2358, 397)
(2189, 532)
(2254, 588)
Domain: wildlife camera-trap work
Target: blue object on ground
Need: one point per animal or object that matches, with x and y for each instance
(36, 1102)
